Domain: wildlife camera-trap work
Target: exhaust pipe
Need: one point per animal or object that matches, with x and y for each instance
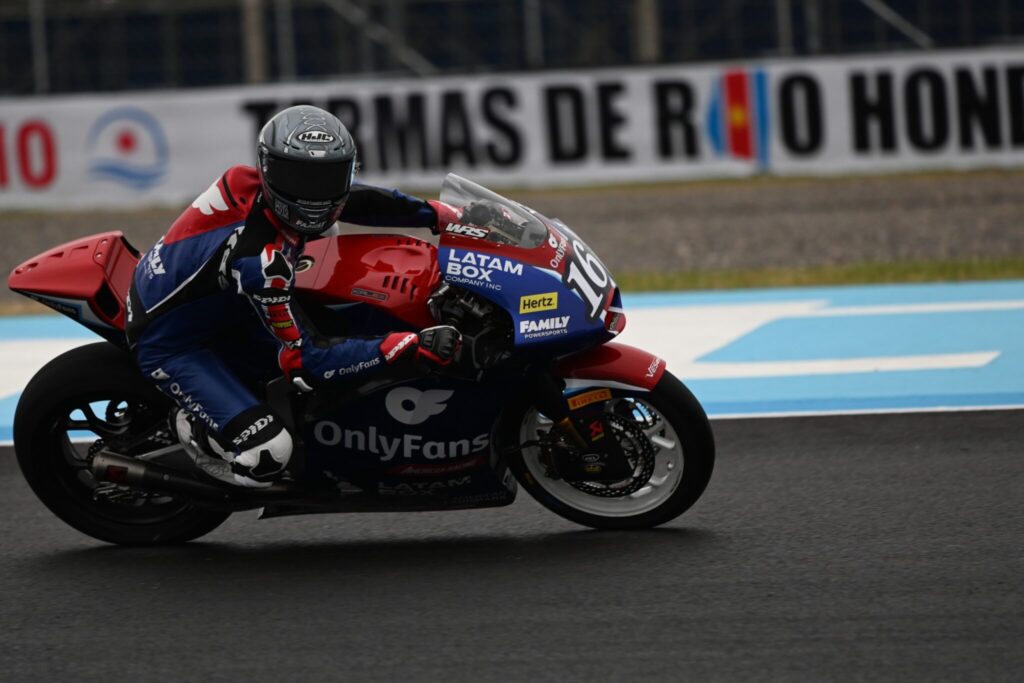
(118, 469)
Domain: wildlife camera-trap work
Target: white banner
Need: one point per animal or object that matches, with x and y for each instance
(928, 110)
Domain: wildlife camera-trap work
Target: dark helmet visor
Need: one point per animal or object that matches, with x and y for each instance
(310, 180)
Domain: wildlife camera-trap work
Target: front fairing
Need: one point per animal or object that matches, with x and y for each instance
(551, 283)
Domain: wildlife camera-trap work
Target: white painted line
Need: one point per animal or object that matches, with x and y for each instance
(682, 334)
(21, 359)
(829, 366)
(903, 309)
(867, 411)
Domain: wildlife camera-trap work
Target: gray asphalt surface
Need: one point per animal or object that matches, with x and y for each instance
(869, 548)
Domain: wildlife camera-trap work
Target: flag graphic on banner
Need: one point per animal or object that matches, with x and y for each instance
(738, 116)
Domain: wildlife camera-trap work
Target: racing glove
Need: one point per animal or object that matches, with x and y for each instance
(435, 345)
(446, 214)
(439, 344)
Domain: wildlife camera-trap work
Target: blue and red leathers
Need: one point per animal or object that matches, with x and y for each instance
(210, 307)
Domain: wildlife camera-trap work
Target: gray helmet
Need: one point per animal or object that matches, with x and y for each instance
(307, 161)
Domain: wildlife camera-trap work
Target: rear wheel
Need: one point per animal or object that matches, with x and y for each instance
(667, 440)
(84, 401)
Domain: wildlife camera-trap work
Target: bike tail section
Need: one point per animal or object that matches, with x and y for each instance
(86, 280)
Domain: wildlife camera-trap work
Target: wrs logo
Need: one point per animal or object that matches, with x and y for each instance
(737, 121)
(128, 146)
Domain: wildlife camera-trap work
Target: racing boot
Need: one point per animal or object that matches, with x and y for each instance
(207, 454)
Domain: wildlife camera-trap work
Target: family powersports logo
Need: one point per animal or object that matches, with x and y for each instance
(738, 116)
(128, 146)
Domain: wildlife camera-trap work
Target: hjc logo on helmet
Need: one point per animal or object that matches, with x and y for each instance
(315, 136)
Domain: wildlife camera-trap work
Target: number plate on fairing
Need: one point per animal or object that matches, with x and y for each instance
(568, 301)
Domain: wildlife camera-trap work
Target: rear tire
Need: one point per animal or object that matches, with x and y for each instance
(693, 444)
(56, 468)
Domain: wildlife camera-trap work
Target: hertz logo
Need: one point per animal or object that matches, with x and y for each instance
(535, 303)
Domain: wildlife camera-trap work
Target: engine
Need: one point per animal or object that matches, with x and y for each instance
(486, 329)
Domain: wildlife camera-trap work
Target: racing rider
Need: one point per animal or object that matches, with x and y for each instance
(211, 302)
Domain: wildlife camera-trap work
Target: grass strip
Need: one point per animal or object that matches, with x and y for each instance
(853, 274)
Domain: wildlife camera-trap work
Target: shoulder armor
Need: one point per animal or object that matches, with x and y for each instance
(226, 201)
(241, 186)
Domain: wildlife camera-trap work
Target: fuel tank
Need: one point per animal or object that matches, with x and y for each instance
(393, 273)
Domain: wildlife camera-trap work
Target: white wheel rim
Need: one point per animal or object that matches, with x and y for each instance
(668, 469)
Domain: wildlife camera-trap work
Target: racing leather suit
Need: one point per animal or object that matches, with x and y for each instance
(224, 270)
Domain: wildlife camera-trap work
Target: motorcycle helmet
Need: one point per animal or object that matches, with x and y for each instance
(307, 162)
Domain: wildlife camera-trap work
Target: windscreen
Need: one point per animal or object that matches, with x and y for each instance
(505, 221)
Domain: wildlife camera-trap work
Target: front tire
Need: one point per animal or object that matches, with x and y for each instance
(67, 397)
(676, 426)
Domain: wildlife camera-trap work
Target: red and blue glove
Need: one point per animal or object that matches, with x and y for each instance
(435, 345)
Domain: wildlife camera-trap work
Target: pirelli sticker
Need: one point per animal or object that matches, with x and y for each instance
(586, 398)
(535, 303)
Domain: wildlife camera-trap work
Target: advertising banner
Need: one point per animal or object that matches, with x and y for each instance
(919, 111)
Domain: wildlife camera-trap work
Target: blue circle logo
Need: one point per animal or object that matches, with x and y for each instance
(128, 146)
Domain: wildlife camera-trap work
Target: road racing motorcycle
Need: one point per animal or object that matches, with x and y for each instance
(539, 395)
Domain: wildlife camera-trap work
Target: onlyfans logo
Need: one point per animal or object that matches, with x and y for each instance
(412, 407)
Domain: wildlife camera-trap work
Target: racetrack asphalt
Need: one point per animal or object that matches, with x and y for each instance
(856, 548)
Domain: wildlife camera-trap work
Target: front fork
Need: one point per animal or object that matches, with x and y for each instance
(599, 456)
(546, 392)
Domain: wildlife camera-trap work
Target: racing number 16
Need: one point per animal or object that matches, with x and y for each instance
(588, 278)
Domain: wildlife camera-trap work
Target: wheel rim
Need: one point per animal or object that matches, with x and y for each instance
(128, 424)
(665, 479)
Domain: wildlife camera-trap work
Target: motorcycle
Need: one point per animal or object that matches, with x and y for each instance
(538, 396)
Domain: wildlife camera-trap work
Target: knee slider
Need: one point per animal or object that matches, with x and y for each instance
(263, 445)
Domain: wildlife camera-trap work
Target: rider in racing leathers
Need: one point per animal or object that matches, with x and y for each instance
(211, 301)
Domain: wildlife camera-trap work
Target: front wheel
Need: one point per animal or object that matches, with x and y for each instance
(671, 452)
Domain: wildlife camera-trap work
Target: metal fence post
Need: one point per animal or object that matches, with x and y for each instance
(894, 19)
(253, 43)
(40, 51)
(285, 40)
(783, 27)
(646, 32)
(812, 24)
(533, 39)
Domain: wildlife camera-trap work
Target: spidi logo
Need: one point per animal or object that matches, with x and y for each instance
(737, 121)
